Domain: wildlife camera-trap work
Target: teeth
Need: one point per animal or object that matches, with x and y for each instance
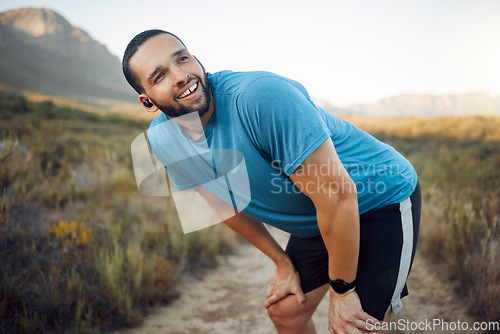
(188, 91)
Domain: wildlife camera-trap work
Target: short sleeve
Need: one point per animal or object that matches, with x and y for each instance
(282, 120)
(188, 162)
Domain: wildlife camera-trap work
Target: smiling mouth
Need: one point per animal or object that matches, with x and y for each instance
(188, 92)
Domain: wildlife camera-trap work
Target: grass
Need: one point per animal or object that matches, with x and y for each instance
(99, 106)
(458, 162)
(81, 250)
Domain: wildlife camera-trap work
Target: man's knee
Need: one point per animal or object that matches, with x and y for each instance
(287, 312)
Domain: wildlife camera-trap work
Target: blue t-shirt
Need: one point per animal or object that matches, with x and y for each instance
(274, 124)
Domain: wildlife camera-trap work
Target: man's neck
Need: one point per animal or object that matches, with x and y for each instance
(206, 118)
(193, 125)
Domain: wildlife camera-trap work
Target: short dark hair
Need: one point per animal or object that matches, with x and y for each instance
(132, 48)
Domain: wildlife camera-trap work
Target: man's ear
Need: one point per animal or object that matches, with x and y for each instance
(147, 103)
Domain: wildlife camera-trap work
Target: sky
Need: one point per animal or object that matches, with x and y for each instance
(343, 52)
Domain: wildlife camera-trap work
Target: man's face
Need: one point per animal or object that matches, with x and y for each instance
(171, 77)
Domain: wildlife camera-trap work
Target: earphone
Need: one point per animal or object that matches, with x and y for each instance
(147, 103)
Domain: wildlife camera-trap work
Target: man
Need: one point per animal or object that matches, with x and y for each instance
(354, 222)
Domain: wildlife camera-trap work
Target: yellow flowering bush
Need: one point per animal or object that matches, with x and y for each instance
(76, 233)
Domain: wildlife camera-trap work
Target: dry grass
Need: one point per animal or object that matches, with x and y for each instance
(458, 162)
(463, 238)
(81, 249)
(99, 106)
(458, 128)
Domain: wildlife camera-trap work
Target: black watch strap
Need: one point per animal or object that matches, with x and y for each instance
(340, 286)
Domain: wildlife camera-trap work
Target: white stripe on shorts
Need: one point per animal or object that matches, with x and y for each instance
(404, 264)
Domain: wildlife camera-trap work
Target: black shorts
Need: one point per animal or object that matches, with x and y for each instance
(388, 240)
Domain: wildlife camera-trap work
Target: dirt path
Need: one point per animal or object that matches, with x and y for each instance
(230, 300)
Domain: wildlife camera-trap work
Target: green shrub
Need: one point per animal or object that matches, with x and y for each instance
(460, 179)
(81, 249)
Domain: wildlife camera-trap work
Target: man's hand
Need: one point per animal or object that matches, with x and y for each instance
(346, 315)
(285, 281)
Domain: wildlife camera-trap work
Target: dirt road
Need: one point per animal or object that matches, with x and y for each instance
(230, 300)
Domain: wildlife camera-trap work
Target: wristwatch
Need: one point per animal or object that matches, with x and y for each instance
(340, 286)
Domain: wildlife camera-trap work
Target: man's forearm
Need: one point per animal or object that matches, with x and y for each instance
(249, 228)
(339, 227)
(258, 235)
(286, 280)
(336, 207)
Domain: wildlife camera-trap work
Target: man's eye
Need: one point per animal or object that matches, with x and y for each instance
(158, 78)
(183, 59)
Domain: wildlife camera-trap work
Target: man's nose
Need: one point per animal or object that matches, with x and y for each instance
(180, 76)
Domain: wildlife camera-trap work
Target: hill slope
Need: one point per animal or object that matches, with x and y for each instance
(41, 51)
(458, 105)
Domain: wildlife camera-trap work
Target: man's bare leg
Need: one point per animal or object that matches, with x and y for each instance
(388, 313)
(290, 318)
(386, 318)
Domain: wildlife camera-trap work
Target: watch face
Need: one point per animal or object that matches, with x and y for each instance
(340, 286)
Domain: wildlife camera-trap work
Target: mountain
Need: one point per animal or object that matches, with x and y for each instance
(42, 52)
(423, 106)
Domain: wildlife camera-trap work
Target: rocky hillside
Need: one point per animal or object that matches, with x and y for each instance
(41, 51)
(431, 105)
(422, 106)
